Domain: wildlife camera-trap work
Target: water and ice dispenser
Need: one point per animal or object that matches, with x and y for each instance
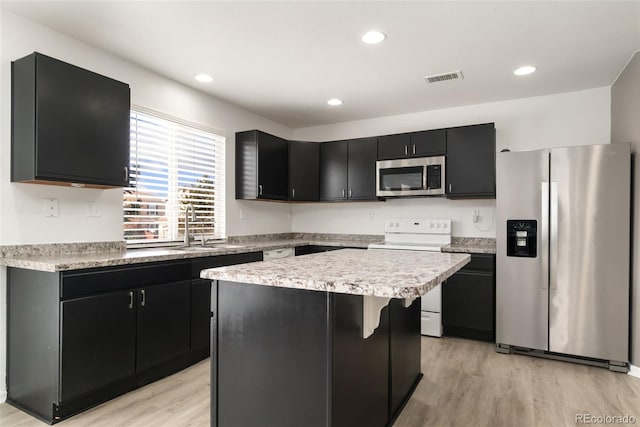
(522, 238)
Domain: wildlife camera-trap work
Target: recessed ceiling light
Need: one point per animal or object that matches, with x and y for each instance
(334, 101)
(523, 71)
(373, 37)
(204, 78)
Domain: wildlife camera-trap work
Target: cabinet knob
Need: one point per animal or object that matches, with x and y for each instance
(126, 174)
(414, 149)
(144, 298)
(350, 192)
(343, 193)
(449, 188)
(260, 190)
(293, 193)
(406, 150)
(130, 300)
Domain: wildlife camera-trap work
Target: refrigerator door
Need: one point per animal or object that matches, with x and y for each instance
(589, 269)
(522, 295)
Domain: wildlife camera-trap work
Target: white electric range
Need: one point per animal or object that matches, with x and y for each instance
(420, 235)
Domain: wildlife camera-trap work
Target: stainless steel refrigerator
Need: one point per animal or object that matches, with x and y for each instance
(562, 252)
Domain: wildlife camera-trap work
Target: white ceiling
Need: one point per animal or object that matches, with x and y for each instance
(284, 60)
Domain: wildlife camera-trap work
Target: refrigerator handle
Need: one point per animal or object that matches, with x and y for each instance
(544, 235)
(553, 238)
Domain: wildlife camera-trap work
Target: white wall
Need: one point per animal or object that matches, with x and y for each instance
(625, 127)
(573, 118)
(21, 205)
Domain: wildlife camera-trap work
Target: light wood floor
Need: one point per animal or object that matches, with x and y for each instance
(466, 383)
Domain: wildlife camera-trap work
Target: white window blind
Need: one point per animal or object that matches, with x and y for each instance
(173, 165)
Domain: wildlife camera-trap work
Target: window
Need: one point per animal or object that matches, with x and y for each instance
(173, 165)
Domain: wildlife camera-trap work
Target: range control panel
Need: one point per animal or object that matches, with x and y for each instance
(418, 226)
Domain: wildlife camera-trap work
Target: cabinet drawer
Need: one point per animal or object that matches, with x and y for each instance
(481, 262)
(199, 264)
(87, 282)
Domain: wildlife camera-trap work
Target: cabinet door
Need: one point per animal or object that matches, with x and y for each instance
(273, 164)
(82, 125)
(200, 313)
(468, 305)
(333, 170)
(394, 146)
(404, 351)
(471, 157)
(362, 168)
(98, 342)
(304, 171)
(429, 143)
(163, 323)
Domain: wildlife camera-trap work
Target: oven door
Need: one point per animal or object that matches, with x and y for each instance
(410, 177)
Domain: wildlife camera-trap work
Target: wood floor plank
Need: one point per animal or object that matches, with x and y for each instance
(466, 383)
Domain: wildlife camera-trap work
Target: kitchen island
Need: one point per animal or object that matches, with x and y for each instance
(329, 339)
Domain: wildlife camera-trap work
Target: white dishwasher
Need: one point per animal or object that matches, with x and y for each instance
(277, 254)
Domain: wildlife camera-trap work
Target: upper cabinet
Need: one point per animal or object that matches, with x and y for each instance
(414, 144)
(262, 164)
(304, 171)
(69, 125)
(471, 161)
(348, 170)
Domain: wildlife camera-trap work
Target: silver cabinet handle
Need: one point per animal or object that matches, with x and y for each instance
(260, 190)
(126, 173)
(449, 188)
(343, 193)
(293, 193)
(406, 150)
(553, 237)
(350, 192)
(144, 298)
(414, 149)
(130, 300)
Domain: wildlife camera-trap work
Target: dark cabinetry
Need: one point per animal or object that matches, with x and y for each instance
(262, 164)
(355, 381)
(347, 169)
(78, 338)
(69, 125)
(304, 171)
(201, 295)
(468, 300)
(415, 144)
(471, 161)
(314, 249)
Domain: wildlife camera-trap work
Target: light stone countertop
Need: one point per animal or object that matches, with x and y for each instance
(381, 273)
(78, 261)
(471, 245)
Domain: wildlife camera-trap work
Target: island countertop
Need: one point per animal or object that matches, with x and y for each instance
(381, 273)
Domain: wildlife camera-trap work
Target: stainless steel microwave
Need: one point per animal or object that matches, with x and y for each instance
(423, 176)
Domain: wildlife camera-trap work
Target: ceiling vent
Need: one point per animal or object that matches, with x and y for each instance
(436, 78)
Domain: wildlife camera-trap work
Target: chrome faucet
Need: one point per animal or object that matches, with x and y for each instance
(187, 238)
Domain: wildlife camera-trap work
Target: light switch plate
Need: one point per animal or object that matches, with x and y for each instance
(92, 209)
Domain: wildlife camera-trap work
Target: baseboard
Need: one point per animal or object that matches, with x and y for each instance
(634, 371)
(3, 396)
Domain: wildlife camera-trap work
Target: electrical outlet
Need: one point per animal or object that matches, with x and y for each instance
(92, 209)
(371, 215)
(242, 215)
(50, 207)
(476, 215)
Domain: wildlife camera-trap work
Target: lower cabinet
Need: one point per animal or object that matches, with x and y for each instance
(78, 338)
(298, 357)
(104, 327)
(314, 249)
(468, 300)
